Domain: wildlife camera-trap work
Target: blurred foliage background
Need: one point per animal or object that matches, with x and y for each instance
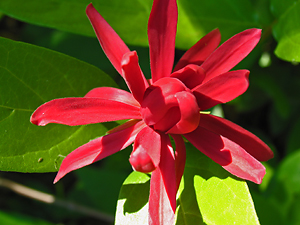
(270, 107)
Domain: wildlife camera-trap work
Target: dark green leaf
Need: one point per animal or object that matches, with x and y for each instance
(293, 143)
(29, 77)
(263, 11)
(289, 172)
(274, 89)
(207, 195)
(13, 219)
(267, 212)
(287, 29)
(98, 188)
(284, 191)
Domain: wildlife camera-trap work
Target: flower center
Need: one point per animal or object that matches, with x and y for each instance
(169, 106)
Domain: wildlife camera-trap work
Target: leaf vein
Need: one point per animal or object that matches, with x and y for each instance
(26, 85)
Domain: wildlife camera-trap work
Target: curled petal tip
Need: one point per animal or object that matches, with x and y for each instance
(36, 120)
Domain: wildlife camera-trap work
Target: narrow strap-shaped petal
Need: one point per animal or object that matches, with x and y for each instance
(251, 143)
(80, 111)
(111, 43)
(145, 156)
(228, 154)
(180, 158)
(198, 53)
(162, 28)
(134, 76)
(221, 89)
(123, 126)
(162, 199)
(98, 149)
(189, 113)
(113, 94)
(230, 53)
(191, 75)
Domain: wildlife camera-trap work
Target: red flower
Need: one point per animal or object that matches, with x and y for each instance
(167, 106)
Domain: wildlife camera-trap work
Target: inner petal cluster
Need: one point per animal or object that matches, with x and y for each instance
(169, 106)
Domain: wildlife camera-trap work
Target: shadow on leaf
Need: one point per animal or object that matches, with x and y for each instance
(136, 196)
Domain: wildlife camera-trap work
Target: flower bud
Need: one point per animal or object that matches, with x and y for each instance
(141, 161)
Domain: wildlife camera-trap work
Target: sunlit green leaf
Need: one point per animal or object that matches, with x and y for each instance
(287, 29)
(207, 195)
(129, 18)
(29, 77)
(132, 207)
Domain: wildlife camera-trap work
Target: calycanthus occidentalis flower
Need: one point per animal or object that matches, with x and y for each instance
(168, 105)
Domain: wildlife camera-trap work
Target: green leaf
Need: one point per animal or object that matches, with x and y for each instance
(267, 212)
(284, 191)
(29, 77)
(287, 29)
(132, 207)
(200, 17)
(289, 172)
(130, 18)
(275, 90)
(293, 143)
(101, 193)
(13, 219)
(207, 195)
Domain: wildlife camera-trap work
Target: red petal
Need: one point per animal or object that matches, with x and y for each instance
(162, 27)
(222, 88)
(145, 156)
(134, 77)
(80, 111)
(170, 118)
(113, 94)
(180, 158)
(191, 75)
(228, 154)
(111, 43)
(201, 50)
(251, 143)
(98, 149)
(189, 111)
(123, 126)
(230, 53)
(162, 199)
